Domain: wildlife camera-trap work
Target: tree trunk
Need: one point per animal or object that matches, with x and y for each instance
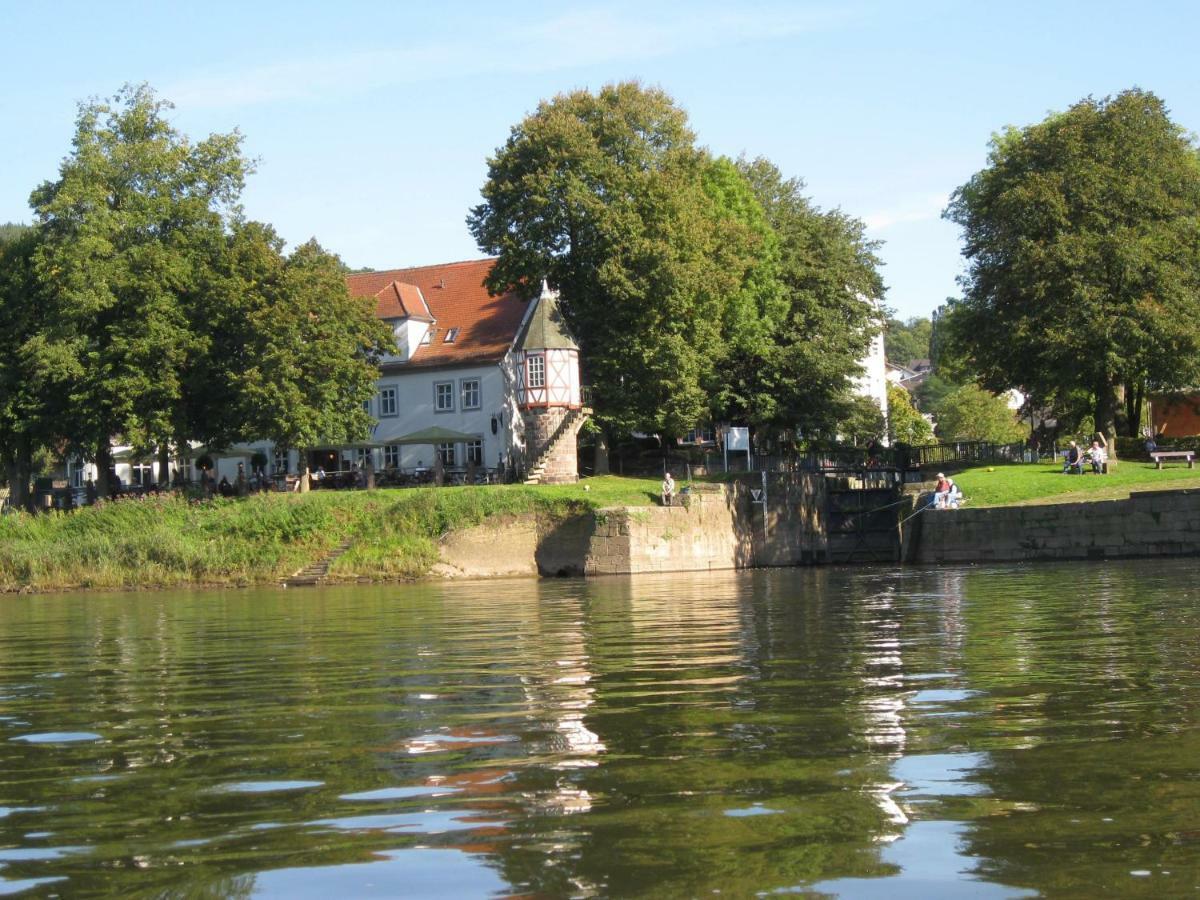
(103, 465)
(1106, 408)
(600, 464)
(25, 473)
(16, 497)
(164, 464)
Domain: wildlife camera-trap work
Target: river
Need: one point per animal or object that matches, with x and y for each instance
(977, 731)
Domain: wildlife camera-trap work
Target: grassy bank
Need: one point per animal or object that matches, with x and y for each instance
(167, 541)
(1027, 484)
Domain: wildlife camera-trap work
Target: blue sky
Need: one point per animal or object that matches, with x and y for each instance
(372, 122)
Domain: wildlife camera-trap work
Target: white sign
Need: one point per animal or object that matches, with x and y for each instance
(756, 494)
(737, 439)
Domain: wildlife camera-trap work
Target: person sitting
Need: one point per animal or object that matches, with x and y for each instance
(954, 496)
(1073, 459)
(1097, 457)
(668, 490)
(941, 491)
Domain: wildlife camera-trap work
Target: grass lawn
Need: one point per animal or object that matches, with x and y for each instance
(1028, 484)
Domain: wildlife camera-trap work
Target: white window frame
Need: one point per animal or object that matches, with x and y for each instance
(389, 405)
(462, 392)
(448, 453)
(540, 381)
(473, 452)
(391, 456)
(280, 463)
(437, 396)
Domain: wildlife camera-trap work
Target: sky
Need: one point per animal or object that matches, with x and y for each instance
(372, 123)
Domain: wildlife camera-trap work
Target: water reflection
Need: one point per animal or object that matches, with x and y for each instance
(849, 732)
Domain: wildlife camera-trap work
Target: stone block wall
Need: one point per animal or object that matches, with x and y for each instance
(1148, 524)
(540, 425)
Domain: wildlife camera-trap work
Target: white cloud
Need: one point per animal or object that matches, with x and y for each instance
(921, 209)
(573, 39)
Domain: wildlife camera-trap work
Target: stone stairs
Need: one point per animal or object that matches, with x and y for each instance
(314, 574)
(570, 424)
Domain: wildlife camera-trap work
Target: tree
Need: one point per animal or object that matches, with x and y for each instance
(828, 314)
(905, 424)
(127, 228)
(973, 414)
(312, 352)
(33, 376)
(907, 340)
(605, 195)
(1083, 242)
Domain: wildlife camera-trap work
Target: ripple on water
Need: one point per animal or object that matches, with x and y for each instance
(427, 821)
(58, 737)
(754, 809)
(401, 793)
(266, 787)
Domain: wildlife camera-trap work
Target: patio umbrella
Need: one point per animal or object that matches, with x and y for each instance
(434, 435)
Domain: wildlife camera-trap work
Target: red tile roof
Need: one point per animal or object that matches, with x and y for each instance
(455, 297)
(399, 300)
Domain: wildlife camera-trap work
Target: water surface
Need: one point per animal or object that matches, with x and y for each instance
(977, 731)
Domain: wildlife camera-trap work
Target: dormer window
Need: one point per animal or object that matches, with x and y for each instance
(427, 337)
(451, 336)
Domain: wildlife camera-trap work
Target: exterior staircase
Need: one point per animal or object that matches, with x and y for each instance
(314, 574)
(570, 424)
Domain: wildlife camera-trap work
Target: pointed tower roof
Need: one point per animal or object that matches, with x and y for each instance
(546, 329)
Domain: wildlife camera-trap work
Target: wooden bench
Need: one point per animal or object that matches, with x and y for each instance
(1184, 455)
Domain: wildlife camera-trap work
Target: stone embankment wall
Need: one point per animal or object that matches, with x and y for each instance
(1148, 524)
(720, 527)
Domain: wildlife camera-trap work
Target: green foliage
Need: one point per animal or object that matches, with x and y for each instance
(905, 424)
(603, 195)
(830, 288)
(311, 354)
(932, 390)
(904, 341)
(127, 229)
(973, 414)
(863, 423)
(697, 288)
(1083, 241)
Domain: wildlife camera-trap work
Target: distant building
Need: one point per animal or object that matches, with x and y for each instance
(1176, 415)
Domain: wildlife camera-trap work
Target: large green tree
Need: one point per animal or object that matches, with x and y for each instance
(908, 339)
(1082, 237)
(972, 414)
(905, 424)
(605, 195)
(312, 350)
(829, 307)
(33, 375)
(127, 228)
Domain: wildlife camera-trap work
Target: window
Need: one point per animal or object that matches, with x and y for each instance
(367, 407)
(281, 462)
(360, 456)
(427, 337)
(391, 456)
(470, 393)
(537, 371)
(443, 396)
(446, 452)
(701, 435)
(141, 474)
(77, 474)
(474, 452)
(451, 336)
(387, 401)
